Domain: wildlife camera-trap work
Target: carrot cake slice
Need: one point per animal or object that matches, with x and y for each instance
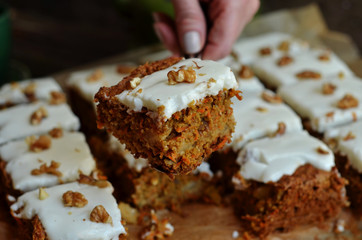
(311, 65)
(347, 142)
(45, 89)
(44, 161)
(287, 181)
(72, 211)
(83, 85)
(275, 44)
(143, 187)
(325, 104)
(35, 118)
(173, 112)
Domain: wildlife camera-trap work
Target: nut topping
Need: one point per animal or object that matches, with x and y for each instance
(265, 51)
(322, 151)
(39, 144)
(308, 75)
(43, 194)
(74, 199)
(283, 61)
(281, 129)
(29, 91)
(348, 101)
(57, 98)
(246, 72)
(56, 133)
(183, 75)
(95, 76)
(328, 88)
(51, 169)
(284, 46)
(84, 179)
(262, 109)
(38, 115)
(349, 136)
(100, 215)
(268, 97)
(135, 82)
(324, 57)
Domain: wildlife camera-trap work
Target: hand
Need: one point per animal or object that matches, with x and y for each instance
(188, 33)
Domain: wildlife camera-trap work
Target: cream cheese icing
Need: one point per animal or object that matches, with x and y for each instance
(15, 121)
(70, 151)
(110, 76)
(308, 100)
(349, 142)
(156, 92)
(14, 92)
(268, 159)
(71, 223)
(248, 49)
(256, 118)
(274, 75)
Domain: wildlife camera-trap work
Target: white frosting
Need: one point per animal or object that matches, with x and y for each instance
(72, 223)
(307, 99)
(252, 124)
(156, 91)
(269, 159)
(87, 88)
(248, 49)
(135, 163)
(204, 168)
(13, 93)
(15, 121)
(350, 147)
(268, 70)
(71, 151)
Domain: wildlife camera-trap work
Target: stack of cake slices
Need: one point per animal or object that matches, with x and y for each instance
(48, 174)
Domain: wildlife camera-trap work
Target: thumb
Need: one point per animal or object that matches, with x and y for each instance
(190, 25)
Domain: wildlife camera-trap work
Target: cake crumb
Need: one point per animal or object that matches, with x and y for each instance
(157, 229)
(43, 194)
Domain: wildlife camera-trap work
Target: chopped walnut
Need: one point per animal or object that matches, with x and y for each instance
(43, 194)
(74, 199)
(308, 75)
(284, 61)
(349, 136)
(324, 57)
(124, 69)
(354, 116)
(38, 116)
(84, 179)
(262, 109)
(246, 72)
(322, 151)
(328, 88)
(29, 91)
(56, 133)
(330, 115)
(348, 101)
(57, 98)
(100, 215)
(51, 169)
(284, 46)
(135, 82)
(14, 85)
(281, 129)
(265, 51)
(39, 144)
(268, 97)
(95, 76)
(183, 75)
(341, 75)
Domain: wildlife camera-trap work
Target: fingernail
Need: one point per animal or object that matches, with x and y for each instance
(192, 42)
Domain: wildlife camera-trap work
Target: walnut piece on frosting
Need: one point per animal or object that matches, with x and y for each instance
(322, 151)
(183, 75)
(281, 129)
(271, 98)
(43, 194)
(29, 91)
(266, 51)
(284, 46)
(100, 215)
(57, 98)
(135, 82)
(309, 75)
(261, 109)
(38, 116)
(324, 57)
(284, 61)
(84, 179)
(348, 101)
(328, 88)
(74, 199)
(246, 72)
(51, 169)
(349, 136)
(95, 76)
(56, 132)
(39, 144)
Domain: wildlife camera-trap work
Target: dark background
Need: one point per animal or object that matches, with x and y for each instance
(53, 35)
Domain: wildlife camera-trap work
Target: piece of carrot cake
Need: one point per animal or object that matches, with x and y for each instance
(44, 161)
(173, 112)
(347, 142)
(325, 104)
(311, 65)
(72, 211)
(287, 181)
(35, 118)
(44, 89)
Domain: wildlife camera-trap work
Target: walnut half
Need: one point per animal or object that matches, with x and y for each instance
(246, 72)
(39, 144)
(74, 199)
(100, 215)
(183, 75)
(348, 101)
(38, 116)
(51, 169)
